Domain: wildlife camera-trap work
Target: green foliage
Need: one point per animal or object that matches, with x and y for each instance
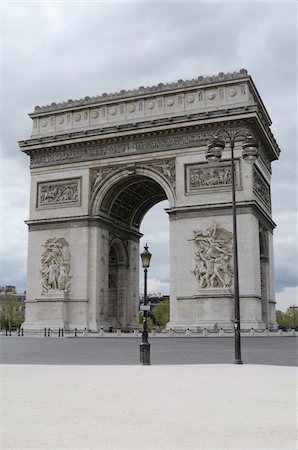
(149, 321)
(282, 319)
(10, 316)
(162, 313)
(292, 313)
(287, 319)
(17, 321)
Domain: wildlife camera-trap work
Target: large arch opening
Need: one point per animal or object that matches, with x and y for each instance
(122, 203)
(155, 231)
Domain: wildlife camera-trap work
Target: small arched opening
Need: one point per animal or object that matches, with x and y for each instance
(264, 267)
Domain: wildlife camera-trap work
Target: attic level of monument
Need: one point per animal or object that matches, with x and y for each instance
(99, 164)
(180, 85)
(219, 93)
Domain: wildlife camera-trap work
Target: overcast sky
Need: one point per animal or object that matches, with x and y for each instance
(55, 51)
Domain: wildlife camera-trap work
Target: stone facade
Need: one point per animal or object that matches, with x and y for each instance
(99, 164)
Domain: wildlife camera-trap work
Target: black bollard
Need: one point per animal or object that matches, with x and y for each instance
(22, 331)
(45, 332)
(76, 332)
(19, 331)
(59, 333)
(6, 331)
(62, 332)
(49, 332)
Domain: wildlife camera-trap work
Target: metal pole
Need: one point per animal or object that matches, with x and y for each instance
(235, 257)
(145, 289)
(145, 346)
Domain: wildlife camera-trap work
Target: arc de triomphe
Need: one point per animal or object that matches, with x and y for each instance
(99, 164)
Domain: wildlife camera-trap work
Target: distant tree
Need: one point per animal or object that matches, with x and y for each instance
(287, 319)
(17, 321)
(149, 321)
(292, 313)
(10, 316)
(162, 313)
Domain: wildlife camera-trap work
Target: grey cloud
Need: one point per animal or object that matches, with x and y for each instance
(285, 265)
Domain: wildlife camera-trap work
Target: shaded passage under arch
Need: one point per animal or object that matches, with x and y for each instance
(129, 199)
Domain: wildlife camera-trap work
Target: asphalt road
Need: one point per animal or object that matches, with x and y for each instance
(280, 351)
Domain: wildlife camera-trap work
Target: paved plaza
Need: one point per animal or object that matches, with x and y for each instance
(91, 393)
(158, 407)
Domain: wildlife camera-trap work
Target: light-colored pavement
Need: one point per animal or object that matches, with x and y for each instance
(168, 407)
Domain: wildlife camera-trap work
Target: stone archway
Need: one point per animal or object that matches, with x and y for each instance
(119, 201)
(99, 164)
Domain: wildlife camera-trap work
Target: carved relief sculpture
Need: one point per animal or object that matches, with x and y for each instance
(261, 188)
(167, 168)
(99, 175)
(58, 193)
(213, 257)
(55, 266)
(206, 176)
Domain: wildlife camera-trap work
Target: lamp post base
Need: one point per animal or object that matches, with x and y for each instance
(145, 353)
(238, 361)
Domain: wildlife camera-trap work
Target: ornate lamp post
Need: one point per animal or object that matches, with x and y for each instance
(249, 154)
(145, 346)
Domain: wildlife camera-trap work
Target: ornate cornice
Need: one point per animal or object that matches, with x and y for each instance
(223, 209)
(152, 142)
(82, 222)
(141, 91)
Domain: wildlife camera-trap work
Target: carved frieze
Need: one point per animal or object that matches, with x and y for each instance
(211, 176)
(139, 145)
(213, 257)
(59, 193)
(55, 267)
(261, 188)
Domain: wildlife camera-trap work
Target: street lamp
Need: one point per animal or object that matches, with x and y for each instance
(249, 154)
(145, 346)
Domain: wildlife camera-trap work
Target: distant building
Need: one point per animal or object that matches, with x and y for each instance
(11, 290)
(154, 299)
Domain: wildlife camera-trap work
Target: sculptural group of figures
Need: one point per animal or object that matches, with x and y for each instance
(210, 177)
(213, 266)
(58, 193)
(55, 266)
